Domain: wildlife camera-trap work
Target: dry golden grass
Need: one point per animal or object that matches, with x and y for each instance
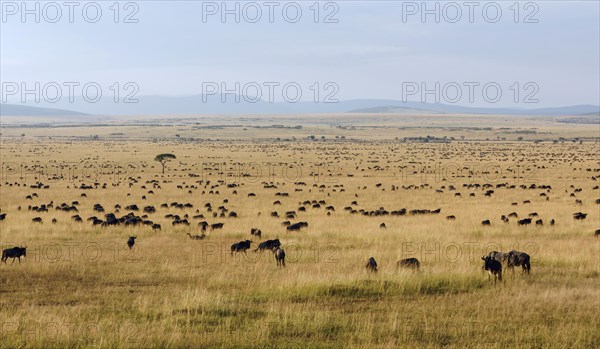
(80, 286)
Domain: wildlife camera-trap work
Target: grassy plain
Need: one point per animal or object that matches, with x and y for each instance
(80, 286)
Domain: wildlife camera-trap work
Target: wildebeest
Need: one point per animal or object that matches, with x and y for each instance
(268, 245)
(451, 217)
(516, 259)
(15, 252)
(280, 257)
(37, 220)
(156, 226)
(579, 215)
(131, 241)
(2, 216)
(493, 267)
(241, 246)
(297, 226)
(412, 263)
(217, 226)
(597, 233)
(382, 226)
(486, 222)
(524, 221)
(371, 265)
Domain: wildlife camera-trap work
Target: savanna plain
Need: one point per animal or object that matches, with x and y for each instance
(367, 186)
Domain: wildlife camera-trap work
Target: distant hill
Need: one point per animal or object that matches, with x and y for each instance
(394, 110)
(596, 113)
(238, 105)
(24, 110)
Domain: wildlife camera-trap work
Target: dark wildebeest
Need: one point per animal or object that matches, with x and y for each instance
(297, 226)
(382, 226)
(15, 252)
(241, 246)
(2, 216)
(37, 220)
(280, 257)
(371, 265)
(515, 259)
(486, 222)
(451, 217)
(411, 263)
(268, 245)
(524, 221)
(217, 226)
(597, 233)
(131, 241)
(493, 267)
(156, 226)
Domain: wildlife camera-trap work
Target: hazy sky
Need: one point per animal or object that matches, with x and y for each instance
(370, 52)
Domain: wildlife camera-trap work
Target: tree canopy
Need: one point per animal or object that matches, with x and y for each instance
(163, 158)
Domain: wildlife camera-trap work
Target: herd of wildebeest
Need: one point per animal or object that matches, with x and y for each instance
(492, 263)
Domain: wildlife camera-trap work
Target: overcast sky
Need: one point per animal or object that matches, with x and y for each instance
(369, 50)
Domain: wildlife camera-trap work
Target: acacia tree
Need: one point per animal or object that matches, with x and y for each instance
(163, 159)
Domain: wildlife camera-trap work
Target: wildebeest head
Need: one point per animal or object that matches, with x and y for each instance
(491, 264)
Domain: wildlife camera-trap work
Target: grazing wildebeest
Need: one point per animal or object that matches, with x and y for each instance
(371, 265)
(382, 226)
(597, 233)
(493, 267)
(268, 245)
(280, 257)
(539, 222)
(451, 217)
(524, 221)
(156, 226)
(217, 226)
(37, 220)
(486, 222)
(412, 263)
(131, 241)
(241, 246)
(552, 221)
(297, 226)
(579, 215)
(2, 216)
(196, 237)
(15, 252)
(515, 259)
